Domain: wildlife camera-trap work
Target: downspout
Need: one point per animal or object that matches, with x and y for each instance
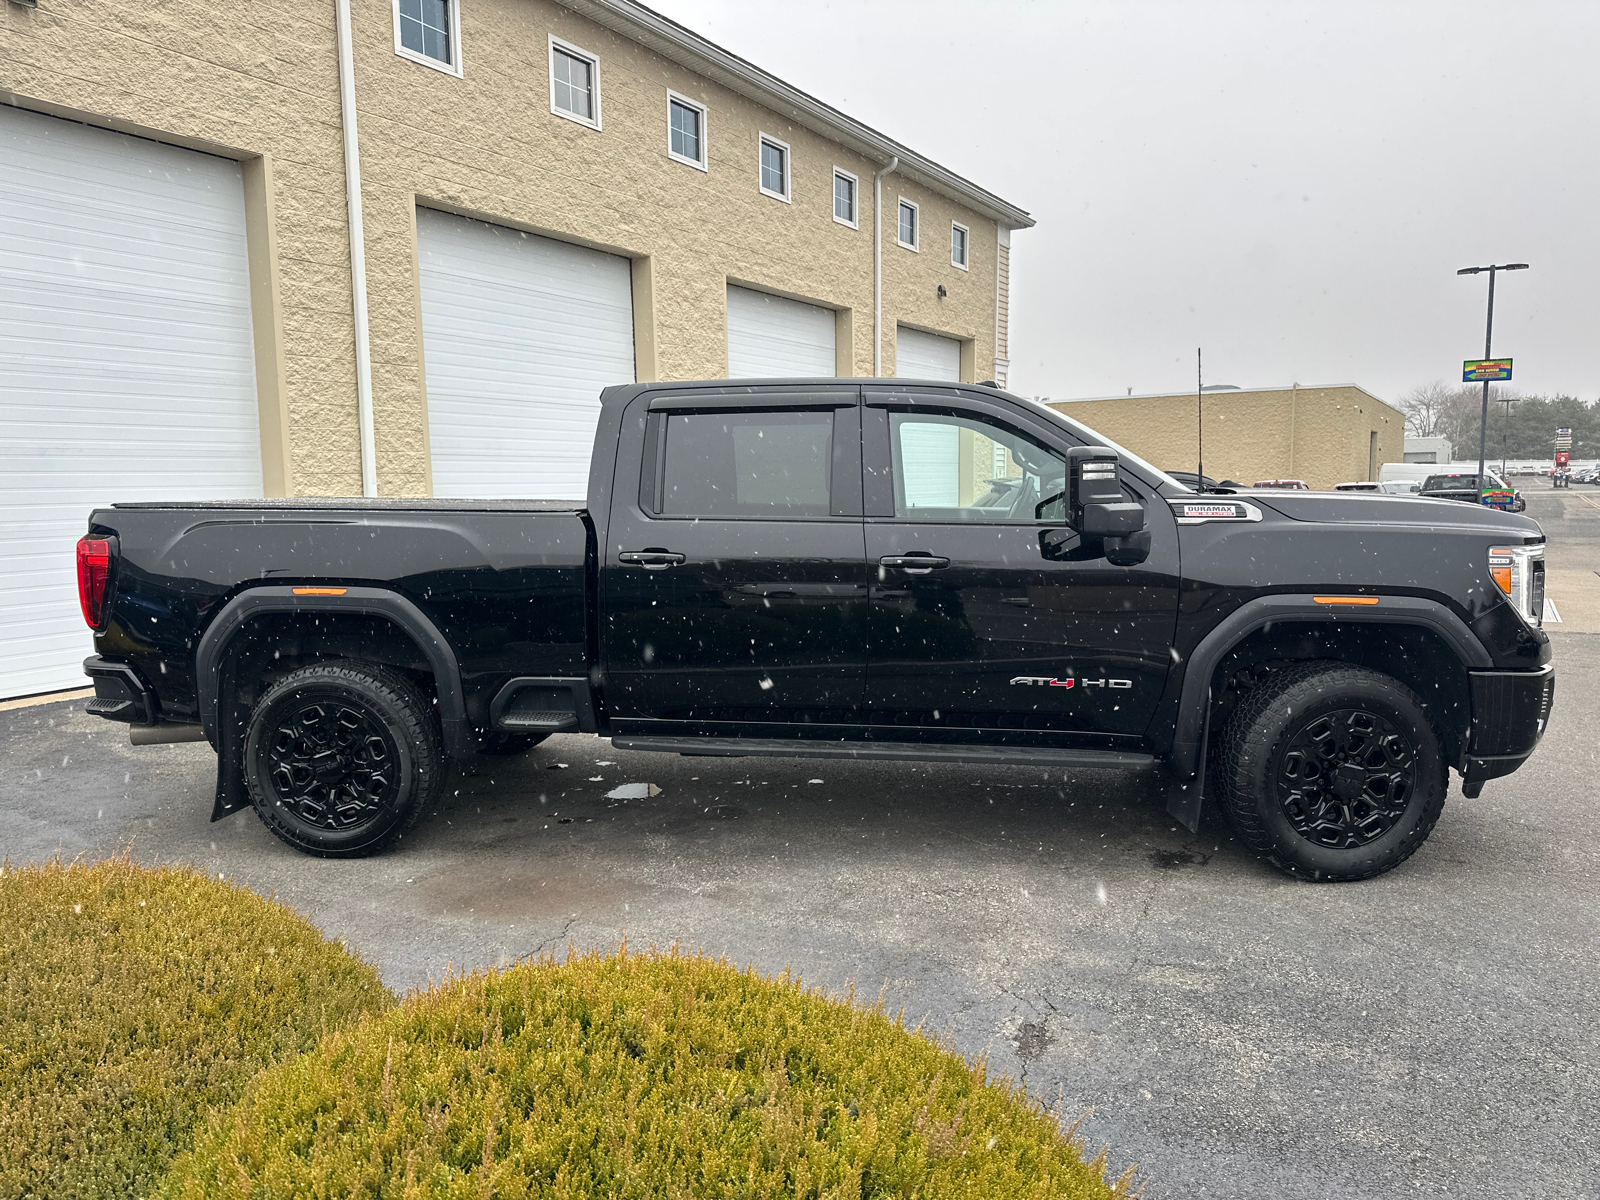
(877, 264)
(358, 252)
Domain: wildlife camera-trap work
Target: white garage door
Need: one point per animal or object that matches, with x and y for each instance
(126, 363)
(520, 334)
(769, 336)
(919, 355)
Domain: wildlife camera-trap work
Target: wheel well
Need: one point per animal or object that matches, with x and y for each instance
(1416, 656)
(272, 644)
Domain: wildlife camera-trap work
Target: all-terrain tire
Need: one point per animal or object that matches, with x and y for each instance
(1331, 772)
(505, 742)
(341, 759)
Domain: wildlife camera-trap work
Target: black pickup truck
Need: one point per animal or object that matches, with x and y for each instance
(870, 568)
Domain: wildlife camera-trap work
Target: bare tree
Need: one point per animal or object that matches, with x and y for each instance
(1428, 408)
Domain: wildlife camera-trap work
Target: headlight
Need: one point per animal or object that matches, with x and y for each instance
(1518, 571)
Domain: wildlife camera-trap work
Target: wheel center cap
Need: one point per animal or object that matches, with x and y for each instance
(1349, 782)
(332, 767)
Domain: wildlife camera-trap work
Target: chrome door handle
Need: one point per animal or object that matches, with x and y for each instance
(913, 564)
(650, 560)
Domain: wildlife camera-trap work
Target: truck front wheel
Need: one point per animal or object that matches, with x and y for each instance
(342, 758)
(1331, 772)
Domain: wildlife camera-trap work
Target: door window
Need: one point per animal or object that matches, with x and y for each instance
(955, 467)
(746, 464)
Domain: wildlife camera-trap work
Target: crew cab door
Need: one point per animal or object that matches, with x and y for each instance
(987, 611)
(734, 582)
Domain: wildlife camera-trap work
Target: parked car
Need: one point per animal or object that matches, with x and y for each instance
(1401, 487)
(1293, 485)
(796, 569)
(1494, 493)
(1358, 486)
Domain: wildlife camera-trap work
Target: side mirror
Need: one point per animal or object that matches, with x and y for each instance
(1095, 499)
(1128, 551)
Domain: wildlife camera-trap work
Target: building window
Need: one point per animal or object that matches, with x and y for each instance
(428, 32)
(958, 245)
(844, 198)
(574, 83)
(908, 224)
(686, 130)
(775, 168)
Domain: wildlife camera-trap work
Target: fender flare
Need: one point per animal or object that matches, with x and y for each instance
(1191, 727)
(368, 601)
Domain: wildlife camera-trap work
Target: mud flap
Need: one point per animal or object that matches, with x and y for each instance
(232, 795)
(1184, 796)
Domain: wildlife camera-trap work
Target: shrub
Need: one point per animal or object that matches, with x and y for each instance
(135, 998)
(633, 1076)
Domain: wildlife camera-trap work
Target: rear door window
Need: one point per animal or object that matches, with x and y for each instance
(746, 464)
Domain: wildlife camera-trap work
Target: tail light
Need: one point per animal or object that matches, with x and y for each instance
(94, 576)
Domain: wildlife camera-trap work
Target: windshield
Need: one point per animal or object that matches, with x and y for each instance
(1090, 438)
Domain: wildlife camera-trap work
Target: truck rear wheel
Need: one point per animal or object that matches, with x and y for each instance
(342, 758)
(1331, 772)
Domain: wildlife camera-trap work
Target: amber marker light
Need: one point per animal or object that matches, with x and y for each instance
(1500, 568)
(319, 591)
(1366, 600)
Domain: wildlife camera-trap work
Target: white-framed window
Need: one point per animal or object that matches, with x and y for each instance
(907, 231)
(429, 32)
(958, 245)
(686, 130)
(574, 83)
(845, 189)
(774, 167)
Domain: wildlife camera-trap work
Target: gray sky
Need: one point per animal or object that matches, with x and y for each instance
(1290, 185)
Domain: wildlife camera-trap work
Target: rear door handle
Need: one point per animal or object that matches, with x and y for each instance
(913, 564)
(650, 560)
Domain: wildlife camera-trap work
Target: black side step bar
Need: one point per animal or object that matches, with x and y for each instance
(1025, 756)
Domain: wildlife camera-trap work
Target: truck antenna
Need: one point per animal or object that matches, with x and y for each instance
(1200, 425)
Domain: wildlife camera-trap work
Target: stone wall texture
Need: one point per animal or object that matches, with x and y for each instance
(260, 80)
(1323, 435)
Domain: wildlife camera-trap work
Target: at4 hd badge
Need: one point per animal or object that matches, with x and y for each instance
(1049, 681)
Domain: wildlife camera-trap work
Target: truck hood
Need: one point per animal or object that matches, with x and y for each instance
(1375, 509)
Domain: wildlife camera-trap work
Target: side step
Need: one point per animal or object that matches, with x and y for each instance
(1025, 756)
(531, 704)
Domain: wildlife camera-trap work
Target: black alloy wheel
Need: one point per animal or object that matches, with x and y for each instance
(342, 758)
(332, 763)
(1330, 772)
(1345, 778)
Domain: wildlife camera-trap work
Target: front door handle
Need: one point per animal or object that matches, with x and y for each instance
(913, 564)
(650, 560)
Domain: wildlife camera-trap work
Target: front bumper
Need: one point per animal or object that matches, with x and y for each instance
(1510, 711)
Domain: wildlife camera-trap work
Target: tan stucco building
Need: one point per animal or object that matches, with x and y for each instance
(398, 247)
(458, 113)
(1322, 435)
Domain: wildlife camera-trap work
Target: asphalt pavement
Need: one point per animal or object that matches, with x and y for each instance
(1432, 1032)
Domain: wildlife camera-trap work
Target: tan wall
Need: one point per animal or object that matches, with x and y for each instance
(260, 82)
(1322, 435)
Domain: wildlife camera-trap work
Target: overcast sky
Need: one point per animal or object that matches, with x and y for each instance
(1290, 185)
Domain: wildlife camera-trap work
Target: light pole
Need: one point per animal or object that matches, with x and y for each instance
(1488, 338)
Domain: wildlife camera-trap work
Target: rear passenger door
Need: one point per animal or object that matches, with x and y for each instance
(735, 589)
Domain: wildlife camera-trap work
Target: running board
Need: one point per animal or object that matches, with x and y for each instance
(1022, 756)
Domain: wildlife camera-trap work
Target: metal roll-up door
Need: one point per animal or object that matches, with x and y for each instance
(520, 333)
(127, 367)
(770, 336)
(919, 355)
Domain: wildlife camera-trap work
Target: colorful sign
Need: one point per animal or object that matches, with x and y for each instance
(1563, 439)
(1498, 497)
(1490, 370)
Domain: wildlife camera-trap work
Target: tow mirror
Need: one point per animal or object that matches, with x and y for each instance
(1095, 498)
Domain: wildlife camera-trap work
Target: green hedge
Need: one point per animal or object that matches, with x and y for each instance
(133, 999)
(632, 1076)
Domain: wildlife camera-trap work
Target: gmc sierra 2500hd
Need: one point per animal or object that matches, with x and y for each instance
(843, 568)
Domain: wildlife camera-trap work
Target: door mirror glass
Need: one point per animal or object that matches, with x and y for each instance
(960, 467)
